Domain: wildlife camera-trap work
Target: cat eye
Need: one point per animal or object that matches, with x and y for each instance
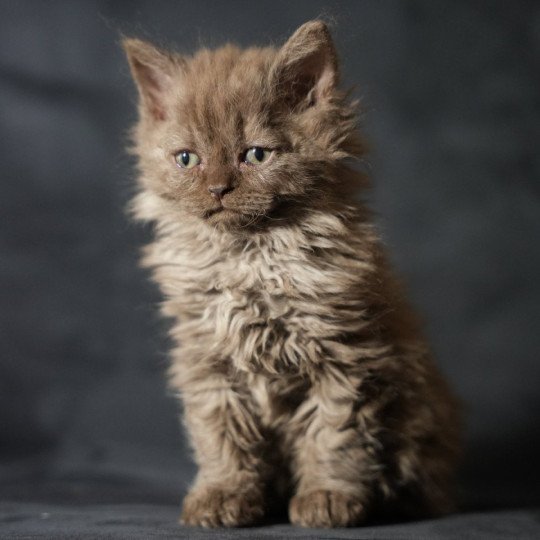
(187, 160)
(257, 155)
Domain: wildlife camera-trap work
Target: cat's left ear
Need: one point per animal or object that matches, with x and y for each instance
(153, 71)
(306, 67)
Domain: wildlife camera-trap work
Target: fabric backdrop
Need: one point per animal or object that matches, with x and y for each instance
(450, 96)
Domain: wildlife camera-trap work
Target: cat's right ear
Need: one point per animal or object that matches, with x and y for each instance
(306, 67)
(153, 71)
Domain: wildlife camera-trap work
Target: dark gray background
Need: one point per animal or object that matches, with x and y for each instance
(451, 103)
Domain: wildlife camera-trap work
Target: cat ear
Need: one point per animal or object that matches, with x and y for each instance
(152, 70)
(306, 67)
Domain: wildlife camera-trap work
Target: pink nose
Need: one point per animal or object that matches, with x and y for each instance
(218, 191)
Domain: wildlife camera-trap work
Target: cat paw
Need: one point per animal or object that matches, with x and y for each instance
(325, 508)
(222, 507)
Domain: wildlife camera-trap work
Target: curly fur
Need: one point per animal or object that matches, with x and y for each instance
(301, 367)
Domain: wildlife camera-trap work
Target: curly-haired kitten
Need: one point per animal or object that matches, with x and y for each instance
(301, 368)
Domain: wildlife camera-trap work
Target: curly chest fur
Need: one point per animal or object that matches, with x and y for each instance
(268, 305)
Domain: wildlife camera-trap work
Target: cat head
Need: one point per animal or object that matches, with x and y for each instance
(244, 137)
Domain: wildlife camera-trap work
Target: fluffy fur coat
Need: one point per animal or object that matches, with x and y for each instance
(302, 370)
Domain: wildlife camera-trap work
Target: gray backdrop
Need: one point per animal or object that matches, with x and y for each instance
(451, 103)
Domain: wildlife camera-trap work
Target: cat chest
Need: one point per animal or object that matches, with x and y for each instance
(264, 319)
(266, 315)
(252, 301)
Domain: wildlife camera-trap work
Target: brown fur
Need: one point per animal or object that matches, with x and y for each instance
(300, 365)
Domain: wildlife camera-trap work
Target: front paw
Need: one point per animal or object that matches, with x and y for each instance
(325, 508)
(214, 506)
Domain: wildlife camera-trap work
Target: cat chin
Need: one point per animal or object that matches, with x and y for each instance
(228, 219)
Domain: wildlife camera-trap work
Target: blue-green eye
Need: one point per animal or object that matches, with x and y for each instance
(187, 160)
(257, 155)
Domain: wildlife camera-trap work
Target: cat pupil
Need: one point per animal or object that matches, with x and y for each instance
(185, 158)
(258, 152)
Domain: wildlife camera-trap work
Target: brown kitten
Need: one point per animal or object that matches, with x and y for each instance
(300, 364)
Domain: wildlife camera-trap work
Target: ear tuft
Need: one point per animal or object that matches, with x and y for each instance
(306, 67)
(152, 70)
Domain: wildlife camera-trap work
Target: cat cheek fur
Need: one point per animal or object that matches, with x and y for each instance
(302, 369)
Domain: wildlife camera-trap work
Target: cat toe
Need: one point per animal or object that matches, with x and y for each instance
(326, 508)
(218, 507)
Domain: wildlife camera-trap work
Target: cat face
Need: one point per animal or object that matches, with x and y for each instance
(243, 137)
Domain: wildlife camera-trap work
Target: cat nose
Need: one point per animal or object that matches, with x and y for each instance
(218, 191)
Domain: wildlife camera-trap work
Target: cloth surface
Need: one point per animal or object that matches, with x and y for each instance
(89, 434)
(99, 508)
(149, 521)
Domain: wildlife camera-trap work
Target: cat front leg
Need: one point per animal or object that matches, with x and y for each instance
(332, 467)
(228, 443)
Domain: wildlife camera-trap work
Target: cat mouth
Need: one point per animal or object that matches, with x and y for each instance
(218, 210)
(213, 211)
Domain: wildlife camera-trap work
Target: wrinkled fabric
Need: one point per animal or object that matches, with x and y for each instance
(148, 521)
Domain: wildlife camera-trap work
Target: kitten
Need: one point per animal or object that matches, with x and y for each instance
(300, 365)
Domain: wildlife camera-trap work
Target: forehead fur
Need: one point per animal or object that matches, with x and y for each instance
(225, 95)
(229, 72)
